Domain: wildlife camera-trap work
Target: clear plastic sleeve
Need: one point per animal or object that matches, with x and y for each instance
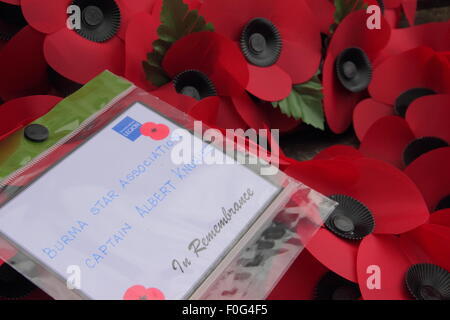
(87, 184)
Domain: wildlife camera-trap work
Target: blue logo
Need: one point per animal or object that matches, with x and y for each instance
(129, 128)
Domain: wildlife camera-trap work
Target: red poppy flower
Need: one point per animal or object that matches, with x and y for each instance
(280, 40)
(414, 265)
(17, 113)
(208, 75)
(308, 279)
(80, 54)
(431, 173)
(400, 141)
(348, 67)
(392, 92)
(374, 198)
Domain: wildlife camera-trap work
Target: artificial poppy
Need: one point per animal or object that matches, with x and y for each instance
(392, 92)
(347, 70)
(208, 75)
(431, 174)
(279, 39)
(400, 141)
(81, 52)
(308, 279)
(411, 266)
(374, 198)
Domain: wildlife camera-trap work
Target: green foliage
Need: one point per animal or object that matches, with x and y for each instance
(176, 22)
(305, 102)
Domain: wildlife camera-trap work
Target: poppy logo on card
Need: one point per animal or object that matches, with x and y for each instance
(132, 129)
(142, 293)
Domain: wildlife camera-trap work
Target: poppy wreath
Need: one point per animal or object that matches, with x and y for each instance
(271, 64)
(97, 41)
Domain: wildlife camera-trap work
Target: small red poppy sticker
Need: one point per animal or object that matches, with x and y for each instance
(155, 131)
(141, 293)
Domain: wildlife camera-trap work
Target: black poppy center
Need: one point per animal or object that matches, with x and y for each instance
(349, 69)
(100, 19)
(195, 84)
(351, 219)
(11, 20)
(421, 146)
(444, 203)
(354, 69)
(333, 287)
(427, 281)
(408, 97)
(261, 42)
(429, 293)
(93, 15)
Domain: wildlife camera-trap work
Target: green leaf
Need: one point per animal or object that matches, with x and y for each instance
(155, 75)
(305, 102)
(176, 22)
(344, 8)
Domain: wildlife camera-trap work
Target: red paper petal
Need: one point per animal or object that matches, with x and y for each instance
(338, 103)
(301, 61)
(441, 217)
(395, 75)
(300, 280)
(206, 110)
(429, 116)
(81, 60)
(392, 16)
(230, 17)
(269, 84)
(213, 54)
(431, 173)
(338, 151)
(278, 120)
(15, 2)
(353, 32)
(366, 113)
(18, 113)
(228, 117)
(429, 35)
(249, 111)
(337, 254)
(128, 9)
(24, 69)
(386, 253)
(47, 16)
(410, 7)
(387, 139)
(326, 16)
(301, 39)
(392, 3)
(140, 35)
(434, 240)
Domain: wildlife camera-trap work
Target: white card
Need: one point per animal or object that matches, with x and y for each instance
(131, 220)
